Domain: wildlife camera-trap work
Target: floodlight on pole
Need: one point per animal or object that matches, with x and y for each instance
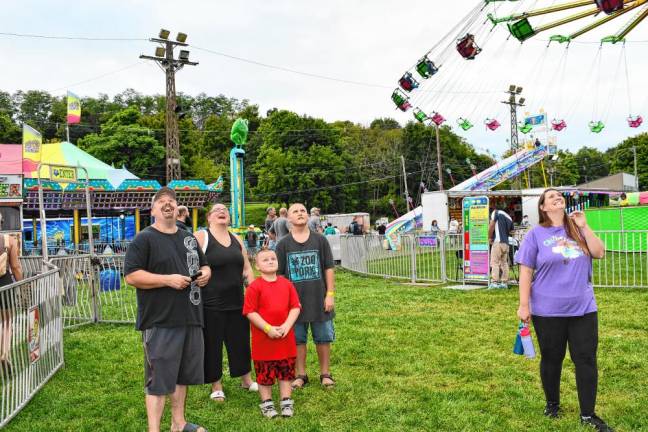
(518, 90)
(170, 65)
(522, 100)
(512, 88)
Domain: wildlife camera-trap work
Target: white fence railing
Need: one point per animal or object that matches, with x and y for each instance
(31, 338)
(420, 259)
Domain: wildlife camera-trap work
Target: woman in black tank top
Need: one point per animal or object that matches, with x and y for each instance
(223, 303)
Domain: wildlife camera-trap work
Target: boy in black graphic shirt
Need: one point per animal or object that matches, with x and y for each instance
(305, 258)
(168, 269)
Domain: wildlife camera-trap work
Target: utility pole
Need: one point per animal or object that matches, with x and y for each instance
(634, 152)
(438, 146)
(164, 58)
(514, 91)
(405, 181)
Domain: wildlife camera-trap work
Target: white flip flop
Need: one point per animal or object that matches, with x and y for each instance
(218, 396)
(254, 387)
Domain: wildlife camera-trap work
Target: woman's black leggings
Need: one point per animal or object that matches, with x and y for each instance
(554, 333)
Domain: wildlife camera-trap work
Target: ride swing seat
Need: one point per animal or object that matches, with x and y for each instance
(400, 100)
(437, 119)
(596, 126)
(426, 67)
(492, 124)
(464, 123)
(558, 125)
(526, 128)
(635, 122)
(420, 115)
(467, 47)
(521, 30)
(610, 6)
(407, 82)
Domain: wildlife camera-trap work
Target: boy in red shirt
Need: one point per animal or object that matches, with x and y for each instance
(272, 306)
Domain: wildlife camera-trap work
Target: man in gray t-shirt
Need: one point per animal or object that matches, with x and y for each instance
(306, 259)
(280, 227)
(314, 222)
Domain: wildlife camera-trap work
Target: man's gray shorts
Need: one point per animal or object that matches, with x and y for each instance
(172, 356)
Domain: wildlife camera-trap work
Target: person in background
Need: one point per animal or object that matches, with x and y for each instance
(434, 227)
(314, 222)
(329, 230)
(525, 221)
(499, 230)
(271, 215)
(252, 240)
(556, 293)
(184, 221)
(12, 273)
(382, 229)
(280, 227)
(453, 227)
(272, 306)
(306, 259)
(337, 230)
(168, 269)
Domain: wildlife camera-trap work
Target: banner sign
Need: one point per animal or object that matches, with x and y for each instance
(32, 147)
(428, 241)
(476, 245)
(10, 186)
(73, 108)
(536, 119)
(34, 333)
(63, 174)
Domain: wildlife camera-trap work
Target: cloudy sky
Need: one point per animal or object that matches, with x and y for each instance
(364, 45)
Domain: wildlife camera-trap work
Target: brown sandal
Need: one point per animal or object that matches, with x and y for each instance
(304, 379)
(327, 376)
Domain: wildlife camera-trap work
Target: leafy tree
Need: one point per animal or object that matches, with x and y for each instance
(384, 124)
(622, 157)
(10, 133)
(123, 141)
(592, 164)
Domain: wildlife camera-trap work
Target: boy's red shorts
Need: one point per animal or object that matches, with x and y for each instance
(267, 371)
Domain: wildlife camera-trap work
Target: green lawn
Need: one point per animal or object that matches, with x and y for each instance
(407, 358)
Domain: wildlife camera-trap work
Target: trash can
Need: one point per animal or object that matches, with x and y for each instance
(109, 280)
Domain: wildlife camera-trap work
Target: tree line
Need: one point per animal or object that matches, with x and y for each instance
(338, 166)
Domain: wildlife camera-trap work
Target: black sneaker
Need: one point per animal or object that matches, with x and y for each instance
(552, 410)
(596, 422)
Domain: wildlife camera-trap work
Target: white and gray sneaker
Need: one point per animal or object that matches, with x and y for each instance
(287, 407)
(268, 409)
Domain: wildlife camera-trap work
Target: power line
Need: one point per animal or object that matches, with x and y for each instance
(81, 38)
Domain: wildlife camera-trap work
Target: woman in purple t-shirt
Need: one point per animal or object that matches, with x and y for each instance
(556, 293)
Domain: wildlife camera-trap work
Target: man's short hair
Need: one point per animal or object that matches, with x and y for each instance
(313, 210)
(164, 191)
(283, 211)
(264, 250)
(183, 210)
(268, 210)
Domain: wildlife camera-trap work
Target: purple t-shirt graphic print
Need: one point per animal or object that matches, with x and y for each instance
(561, 285)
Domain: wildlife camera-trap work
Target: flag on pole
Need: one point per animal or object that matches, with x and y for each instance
(73, 108)
(32, 148)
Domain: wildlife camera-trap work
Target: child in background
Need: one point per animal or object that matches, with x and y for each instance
(272, 306)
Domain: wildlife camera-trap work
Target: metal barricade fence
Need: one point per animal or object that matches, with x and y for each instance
(31, 338)
(116, 302)
(625, 263)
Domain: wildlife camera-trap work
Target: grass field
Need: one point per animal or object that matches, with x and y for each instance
(408, 358)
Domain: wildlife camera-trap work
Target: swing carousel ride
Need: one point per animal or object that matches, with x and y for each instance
(449, 81)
